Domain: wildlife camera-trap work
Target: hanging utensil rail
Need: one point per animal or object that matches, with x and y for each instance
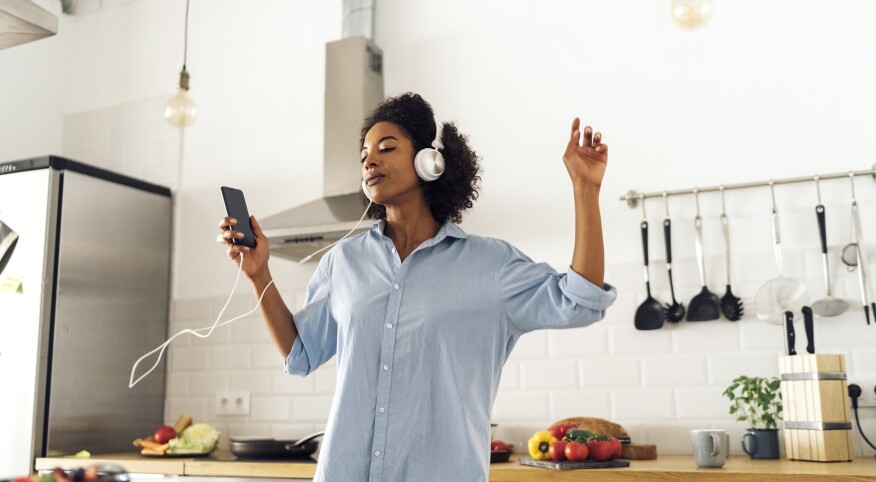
(633, 197)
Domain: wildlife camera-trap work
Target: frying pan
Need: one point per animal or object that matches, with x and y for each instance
(268, 448)
(8, 240)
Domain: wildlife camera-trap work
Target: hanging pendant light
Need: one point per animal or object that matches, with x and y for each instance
(181, 110)
(691, 14)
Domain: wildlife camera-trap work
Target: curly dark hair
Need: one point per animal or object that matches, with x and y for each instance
(456, 189)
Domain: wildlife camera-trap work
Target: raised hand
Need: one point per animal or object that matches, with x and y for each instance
(255, 259)
(586, 157)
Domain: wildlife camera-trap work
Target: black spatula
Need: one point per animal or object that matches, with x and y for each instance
(705, 306)
(650, 314)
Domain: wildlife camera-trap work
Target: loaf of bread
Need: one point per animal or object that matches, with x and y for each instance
(596, 425)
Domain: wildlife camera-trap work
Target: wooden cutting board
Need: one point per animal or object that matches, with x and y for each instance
(587, 464)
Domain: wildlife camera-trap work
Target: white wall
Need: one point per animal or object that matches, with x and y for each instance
(767, 89)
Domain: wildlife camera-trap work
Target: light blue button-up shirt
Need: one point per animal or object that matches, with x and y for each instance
(421, 345)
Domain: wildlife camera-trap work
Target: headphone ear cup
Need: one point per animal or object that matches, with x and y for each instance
(366, 191)
(429, 164)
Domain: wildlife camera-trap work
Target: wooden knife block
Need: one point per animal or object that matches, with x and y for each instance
(816, 412)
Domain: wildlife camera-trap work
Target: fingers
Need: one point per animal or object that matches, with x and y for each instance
(602, 148)
(256, 229)
(588, 137)
(229, 235)
(227, 223)
(234, 250)
(576, 135)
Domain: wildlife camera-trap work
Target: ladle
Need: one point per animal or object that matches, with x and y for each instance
(829, 305)
(731, 305)
(650, 314)
(675, 311)
(705, 305)
(779, 294)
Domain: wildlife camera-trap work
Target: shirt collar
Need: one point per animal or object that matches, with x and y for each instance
(448, 229)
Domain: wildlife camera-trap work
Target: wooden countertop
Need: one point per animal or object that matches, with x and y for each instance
(666, 467)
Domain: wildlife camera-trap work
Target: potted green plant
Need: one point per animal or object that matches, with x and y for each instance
(758, 401)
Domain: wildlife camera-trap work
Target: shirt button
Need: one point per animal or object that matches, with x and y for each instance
(382, 410)
(385, 367)
(395, 286)
(389, 325)
(377, 453)
(393, 250)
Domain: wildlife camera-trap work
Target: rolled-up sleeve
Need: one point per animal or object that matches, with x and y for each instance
(536, 297)
(317, 338)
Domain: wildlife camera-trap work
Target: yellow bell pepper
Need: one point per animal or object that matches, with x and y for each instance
(539, 444)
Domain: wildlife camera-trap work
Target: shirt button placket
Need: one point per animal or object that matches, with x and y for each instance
(384, 380)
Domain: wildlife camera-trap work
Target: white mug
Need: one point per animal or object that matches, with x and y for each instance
(709, 447)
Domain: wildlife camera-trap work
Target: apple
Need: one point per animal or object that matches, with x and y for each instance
(163, 434)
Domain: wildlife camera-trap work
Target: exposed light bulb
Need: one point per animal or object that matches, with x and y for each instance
(181, 111)
(692, 14)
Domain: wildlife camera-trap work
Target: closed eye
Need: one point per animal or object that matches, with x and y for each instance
(385, 149)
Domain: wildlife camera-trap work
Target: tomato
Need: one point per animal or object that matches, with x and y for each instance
(498, 446)
(600, 450)
(577, 452)
(618, 448)
(559, 431)
(557, 450)
(163, 434)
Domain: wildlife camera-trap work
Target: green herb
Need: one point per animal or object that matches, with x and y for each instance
(756, 400)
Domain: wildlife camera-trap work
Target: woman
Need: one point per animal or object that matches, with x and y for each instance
(421, 315)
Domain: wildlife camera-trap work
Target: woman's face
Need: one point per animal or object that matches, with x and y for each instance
(388, 164)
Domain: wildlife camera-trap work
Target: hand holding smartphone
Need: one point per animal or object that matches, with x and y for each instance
(235, 207)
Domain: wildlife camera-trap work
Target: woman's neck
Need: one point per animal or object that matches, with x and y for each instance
(408, 227)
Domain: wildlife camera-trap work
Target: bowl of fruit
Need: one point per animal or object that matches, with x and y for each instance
(500, 451)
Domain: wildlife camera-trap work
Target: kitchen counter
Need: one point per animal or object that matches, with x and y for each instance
(666, 467)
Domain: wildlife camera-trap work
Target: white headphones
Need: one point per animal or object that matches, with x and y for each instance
(429, 163)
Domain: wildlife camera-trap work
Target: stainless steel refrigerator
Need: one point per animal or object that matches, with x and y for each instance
(84, 292)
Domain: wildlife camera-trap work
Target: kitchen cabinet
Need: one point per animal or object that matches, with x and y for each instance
(666, 467)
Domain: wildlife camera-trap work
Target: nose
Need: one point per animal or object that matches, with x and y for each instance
(369, 162)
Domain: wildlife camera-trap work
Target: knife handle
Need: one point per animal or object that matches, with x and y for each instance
(810, 329)
(789, 332)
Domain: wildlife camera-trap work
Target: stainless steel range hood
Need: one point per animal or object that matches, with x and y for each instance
(23, 21)
(353, 88)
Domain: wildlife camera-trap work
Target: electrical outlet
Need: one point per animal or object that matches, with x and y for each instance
(232, 403)
(868, 389)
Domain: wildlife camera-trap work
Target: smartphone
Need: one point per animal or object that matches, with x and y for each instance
(235, 207)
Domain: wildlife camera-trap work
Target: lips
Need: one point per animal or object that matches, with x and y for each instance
(373, 179)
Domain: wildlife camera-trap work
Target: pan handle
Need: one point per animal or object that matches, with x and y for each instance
(304, 440)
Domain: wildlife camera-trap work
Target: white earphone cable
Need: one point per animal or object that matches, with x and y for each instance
(197, 332)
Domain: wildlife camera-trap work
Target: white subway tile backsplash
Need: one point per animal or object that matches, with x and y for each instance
(521, 405)
(736, 431)
(510, 376)
(230, 357)
(864, 360)
(266, 355)
(194, 406)
(271, 408)
(673, 370)
(611, 372)
(673, 437)
(579, 403)
(248, 429)
(724, 367)
(283, 383)
(188, 358)
(238, 304)
(207, 383)
(177, 385)
(253, 381)
(759, 335)
(192, 310)
(311, 408)
(529, 346)
(294, 431)
(250, 330)
(643, 404)
(326, 379)
(578, 342)
(705, 337)
(702, 404)
(548, 374)
(861, 447)
(629, 341)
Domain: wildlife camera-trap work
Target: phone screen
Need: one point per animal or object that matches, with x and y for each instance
(235, 207)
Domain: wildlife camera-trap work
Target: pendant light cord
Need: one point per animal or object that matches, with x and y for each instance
(186, 37)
